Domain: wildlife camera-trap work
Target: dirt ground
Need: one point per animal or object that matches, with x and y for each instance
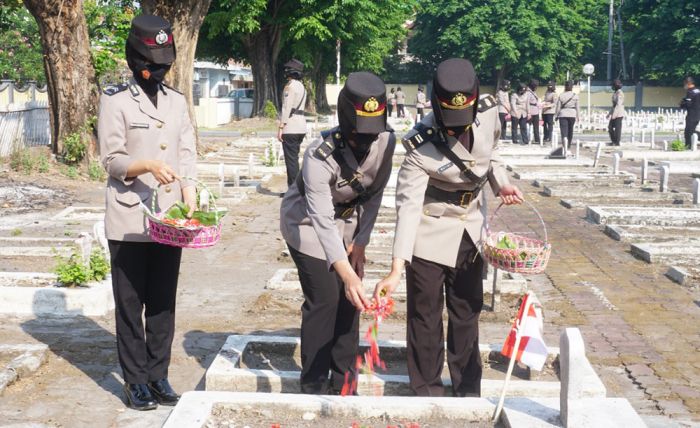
(642, 342)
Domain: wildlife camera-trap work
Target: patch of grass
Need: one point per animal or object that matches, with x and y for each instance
(677, 146)
(72, 172)
(22, 160)
(96, 172)
(16, 232)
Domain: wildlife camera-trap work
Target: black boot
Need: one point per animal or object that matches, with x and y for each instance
(138, 397)
(164, 393)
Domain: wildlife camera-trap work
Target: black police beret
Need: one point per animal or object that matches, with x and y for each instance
(362, 103)
(455, 92)
(152, 37)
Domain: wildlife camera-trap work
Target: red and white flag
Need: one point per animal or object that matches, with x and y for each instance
(528, 325)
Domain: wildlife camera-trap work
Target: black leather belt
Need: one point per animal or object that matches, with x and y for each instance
(459, 198)
(345, 211)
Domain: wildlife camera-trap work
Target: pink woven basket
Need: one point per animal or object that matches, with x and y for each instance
(530, 256)
(180, 236)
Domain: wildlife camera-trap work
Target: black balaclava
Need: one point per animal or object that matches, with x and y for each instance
(346, 121)
(148, 76)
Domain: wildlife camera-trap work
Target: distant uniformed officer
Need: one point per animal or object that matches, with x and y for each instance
(451, 155)
(503, 106)
(518, 113)
(533, 109)
(567, 111)
(292, 124)
(617, 113)
(691, 104)
(400, 102)
(548, 107)
(420, 104)
(146, 138)
(326, 219)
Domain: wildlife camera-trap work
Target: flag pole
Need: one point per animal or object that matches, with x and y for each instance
(513, 357)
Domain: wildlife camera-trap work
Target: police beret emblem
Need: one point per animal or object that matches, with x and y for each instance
(371, 105)
(161, 37)
(459, 99)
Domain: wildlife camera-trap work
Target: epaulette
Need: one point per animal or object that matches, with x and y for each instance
(115, 89)
(172, 89)
(486, 103)
(418, 136)
(328, 145)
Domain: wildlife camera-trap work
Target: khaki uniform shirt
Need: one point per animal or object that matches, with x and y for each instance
(420, 100)
(430, 229)
(533, 103)
(567, 105)
(130, 128)
(400, 97)
(294, 98)
(618, 102)
(550, 99)
(503, 103)
(518, 105)
(308, 222)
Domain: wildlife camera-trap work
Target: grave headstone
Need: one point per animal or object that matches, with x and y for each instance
(645, 170)
(665, 145)
(651, 140)
(84, 243)
(663, 180)
(643, 135)
(598, 151)
(632, 135)
(694, 142)
(578, 148)
(616, 163)
(696, 191)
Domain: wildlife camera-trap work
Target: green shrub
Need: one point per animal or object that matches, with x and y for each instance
(22, 160)
(269, 110)
(96, 172)
(43, 164)
(74, 148)
(72, 272)
(677, 146)
(72, 172)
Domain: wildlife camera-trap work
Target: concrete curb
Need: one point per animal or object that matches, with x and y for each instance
(32, 357)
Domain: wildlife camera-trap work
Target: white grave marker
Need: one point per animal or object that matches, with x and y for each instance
(645, 170)
(665, 172)
(616, 163)
(696, 191)
(598, 151)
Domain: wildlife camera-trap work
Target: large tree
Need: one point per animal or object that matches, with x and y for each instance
(518, 39)
(72, 90)
(20, 44)
(186, 17)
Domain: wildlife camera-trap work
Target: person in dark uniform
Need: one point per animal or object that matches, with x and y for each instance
(326, 219)
(691, 105)
(146, 138)
(548, 107)
(292, 123)
(450, 156)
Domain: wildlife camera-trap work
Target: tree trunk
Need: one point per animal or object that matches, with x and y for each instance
(318, 80)
(70, 76)
(262, 50)
(186, 17)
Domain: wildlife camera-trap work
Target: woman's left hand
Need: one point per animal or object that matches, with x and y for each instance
(510, 195)
(356, 255)
(189, 197)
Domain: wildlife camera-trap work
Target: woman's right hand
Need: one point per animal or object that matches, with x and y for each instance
(387, 285)
(162, 172)
(354, 289)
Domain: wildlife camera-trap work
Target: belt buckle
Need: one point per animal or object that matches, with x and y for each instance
(347, 213)
(466, 204)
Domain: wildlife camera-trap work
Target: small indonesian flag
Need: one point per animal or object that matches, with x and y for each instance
(531, 350)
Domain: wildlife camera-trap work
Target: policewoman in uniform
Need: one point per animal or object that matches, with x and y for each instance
(567, 111)
(503, 106)
(420, 104)
(549, 105)
(617, 113)
(146, 138)
(292, 124)
(326, 219)
(533, 109)
(450, 157)
(519, 113)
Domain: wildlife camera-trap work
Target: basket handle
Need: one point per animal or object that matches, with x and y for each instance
(539, 216)
(154, 199)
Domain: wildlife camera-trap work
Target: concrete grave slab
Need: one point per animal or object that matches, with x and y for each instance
(525, 162)
(663, 251)
(575, 176)
(641, 233)
(80, 214)
(226, 373)
(27, 293)
(659, 155)
(644, 215)
(24, 359)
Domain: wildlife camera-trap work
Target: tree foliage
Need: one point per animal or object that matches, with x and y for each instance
(505, 38)
(20, 44)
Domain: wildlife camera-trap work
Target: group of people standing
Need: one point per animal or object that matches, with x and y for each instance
(524, 107)
(396, 100)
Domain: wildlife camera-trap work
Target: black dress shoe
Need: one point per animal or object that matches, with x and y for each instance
(164, 393)
(138, 397)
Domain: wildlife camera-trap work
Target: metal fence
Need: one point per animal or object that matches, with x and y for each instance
(24, 119)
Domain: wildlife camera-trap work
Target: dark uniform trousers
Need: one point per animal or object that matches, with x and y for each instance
(615, 130)
(400, 112)
(144, 275)
(548, 126)
(535, 122)
(504, 127)
(690, 126)
(389, 109)
(290, 145)
(522, 123)
(566, 127)
(330, 327)
(463, 288)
